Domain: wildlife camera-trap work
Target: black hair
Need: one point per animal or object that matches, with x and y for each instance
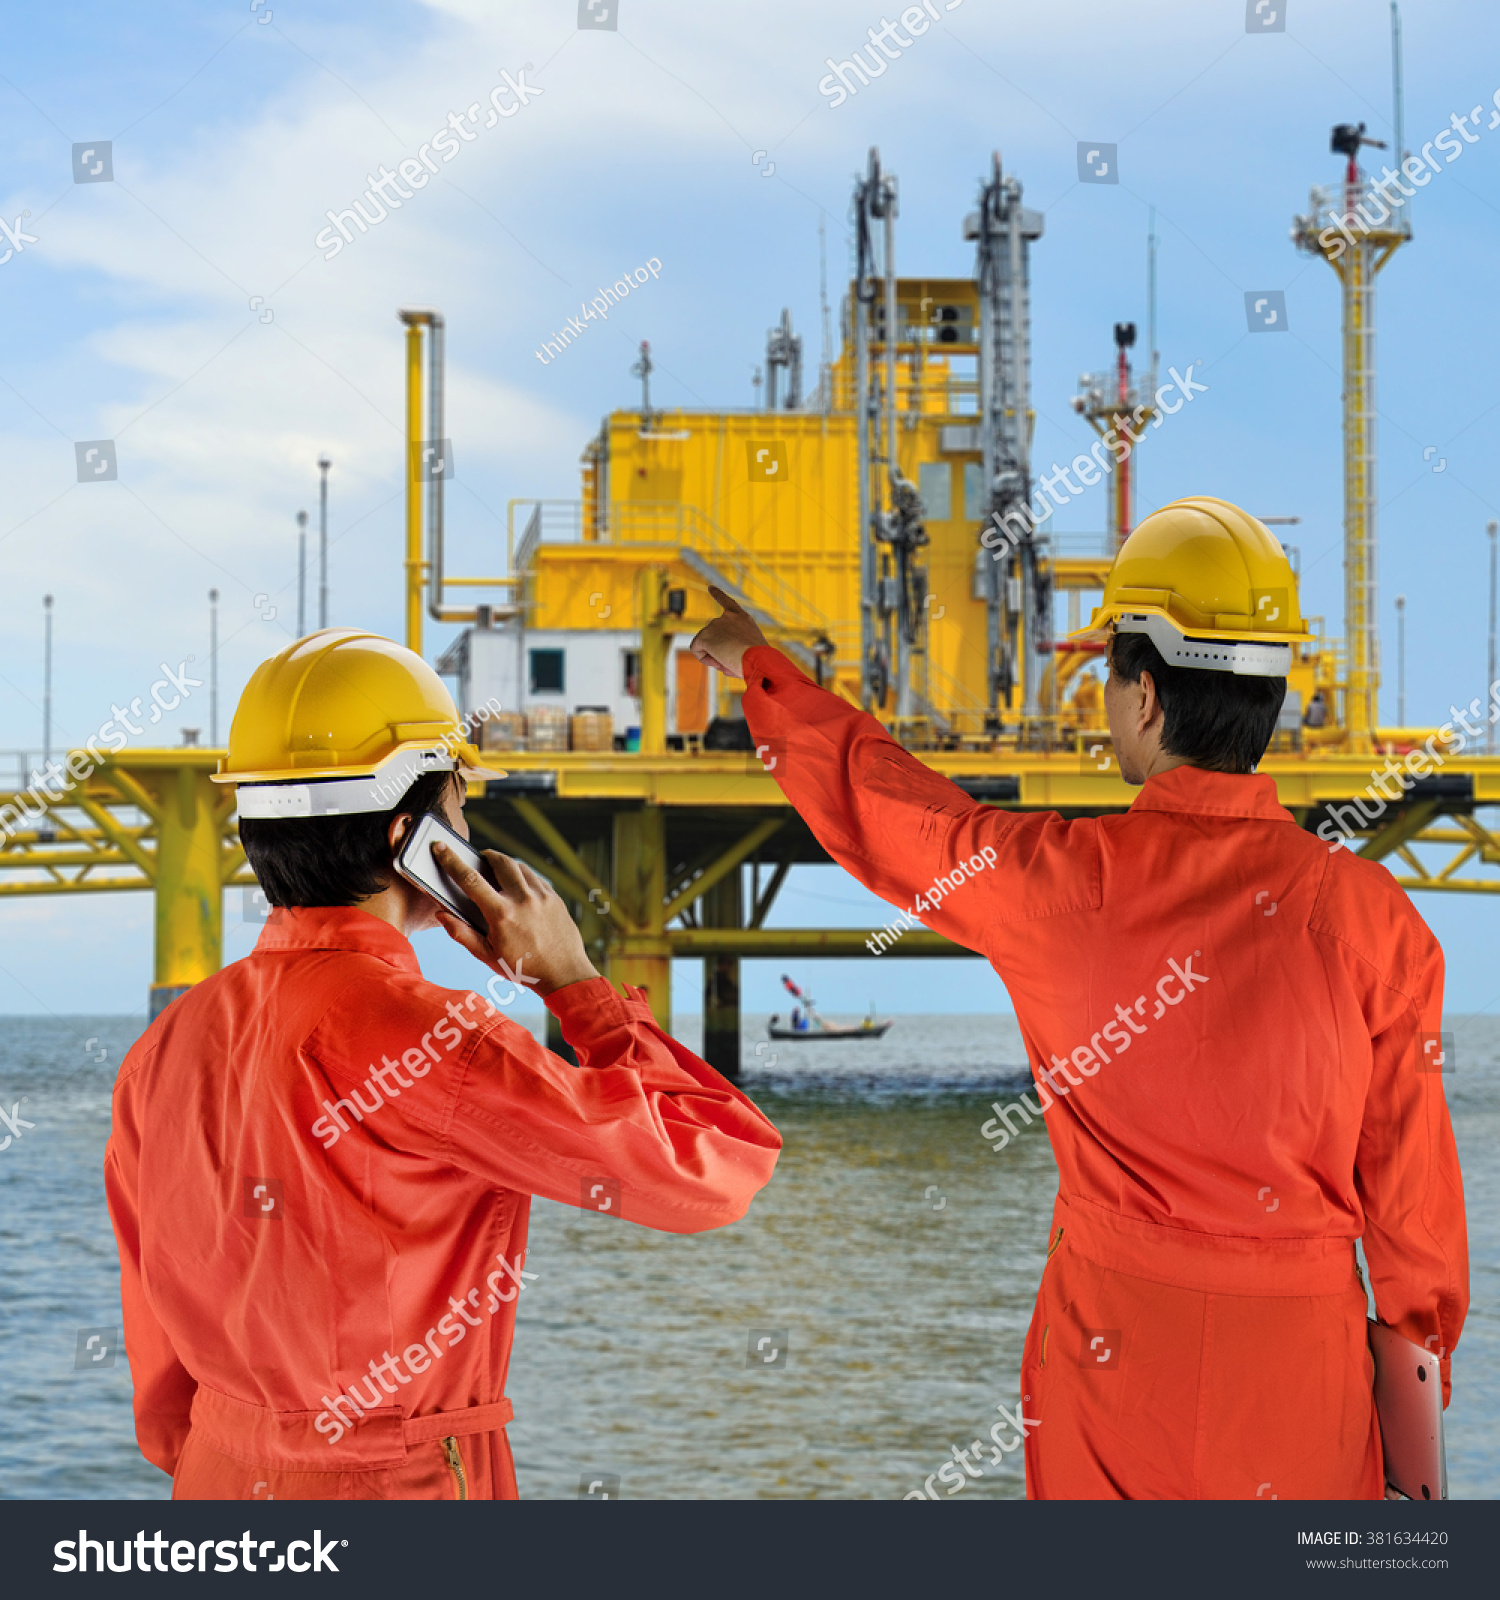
(1221, 721)
(332, 861)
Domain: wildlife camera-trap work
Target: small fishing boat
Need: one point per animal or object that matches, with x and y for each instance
(805, 1023)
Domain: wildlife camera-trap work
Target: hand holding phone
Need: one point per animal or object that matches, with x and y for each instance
(518, 917)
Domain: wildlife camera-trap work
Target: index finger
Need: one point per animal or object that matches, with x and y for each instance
(473, 882)
(728, 601)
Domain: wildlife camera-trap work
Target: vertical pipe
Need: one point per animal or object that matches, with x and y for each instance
(323, 465)
(866, 543)
(987, 281)
(301, 574)
(825, 364)
(1400, 660)
(652, 675)
(1018, 386)
(892, 470)
(47, 679)
(413, 563)
(1151, 293)
(1494, 529)
(904, 697)
(213, 669)
(436, 432)
(1123, 471)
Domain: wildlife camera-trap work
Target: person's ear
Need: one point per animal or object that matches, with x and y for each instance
(1150, 705)
(399, 828)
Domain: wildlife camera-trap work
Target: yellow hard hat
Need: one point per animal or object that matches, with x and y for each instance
(342, 721)
(1209, 585)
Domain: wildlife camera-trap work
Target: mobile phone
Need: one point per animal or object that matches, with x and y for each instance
(415, 863)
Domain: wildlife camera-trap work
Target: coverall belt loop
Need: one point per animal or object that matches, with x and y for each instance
(289, 1439)
(1207, 1263)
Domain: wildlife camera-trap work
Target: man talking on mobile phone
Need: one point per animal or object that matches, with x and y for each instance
(321, 1165)
(1232, 1029)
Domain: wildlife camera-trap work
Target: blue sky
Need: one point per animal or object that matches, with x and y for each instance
(130, 316)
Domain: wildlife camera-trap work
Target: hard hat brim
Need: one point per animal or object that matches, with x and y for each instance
(466, 760)
(340, 792)
(1246, 653)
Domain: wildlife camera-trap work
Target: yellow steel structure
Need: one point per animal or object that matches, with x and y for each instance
(647, 846)
(147, 820)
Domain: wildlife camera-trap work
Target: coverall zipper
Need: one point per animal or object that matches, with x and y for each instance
(456, 1466)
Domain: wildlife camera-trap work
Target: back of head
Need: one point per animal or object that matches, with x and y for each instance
(1220, 721)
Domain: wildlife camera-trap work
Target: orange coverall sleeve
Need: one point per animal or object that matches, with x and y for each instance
(1406, 1168)
(163, 1387)
(686, 1148)
(898, 826)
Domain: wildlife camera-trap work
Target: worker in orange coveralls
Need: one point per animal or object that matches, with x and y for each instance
(1234, 1033)
(321, 1165)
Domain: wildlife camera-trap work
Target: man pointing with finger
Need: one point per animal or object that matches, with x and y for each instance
(1235, 1036)
(321, 1165)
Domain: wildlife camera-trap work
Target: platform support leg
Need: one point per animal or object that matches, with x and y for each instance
(642, 958)
(722, 907)
(189, 895)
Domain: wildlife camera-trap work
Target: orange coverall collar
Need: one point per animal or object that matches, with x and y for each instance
(1215, 794)
(337, 928)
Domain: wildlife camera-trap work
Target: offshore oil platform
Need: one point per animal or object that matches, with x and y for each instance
(854, 520)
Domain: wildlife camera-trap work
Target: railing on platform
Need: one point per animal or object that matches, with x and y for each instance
(556, 521)
(672, 522)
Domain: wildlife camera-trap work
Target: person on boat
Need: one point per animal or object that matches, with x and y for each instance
(1234, 1026)
(321, 1165)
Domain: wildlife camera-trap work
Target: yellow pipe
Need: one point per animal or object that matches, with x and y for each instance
(414, 564)
(655, 642)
